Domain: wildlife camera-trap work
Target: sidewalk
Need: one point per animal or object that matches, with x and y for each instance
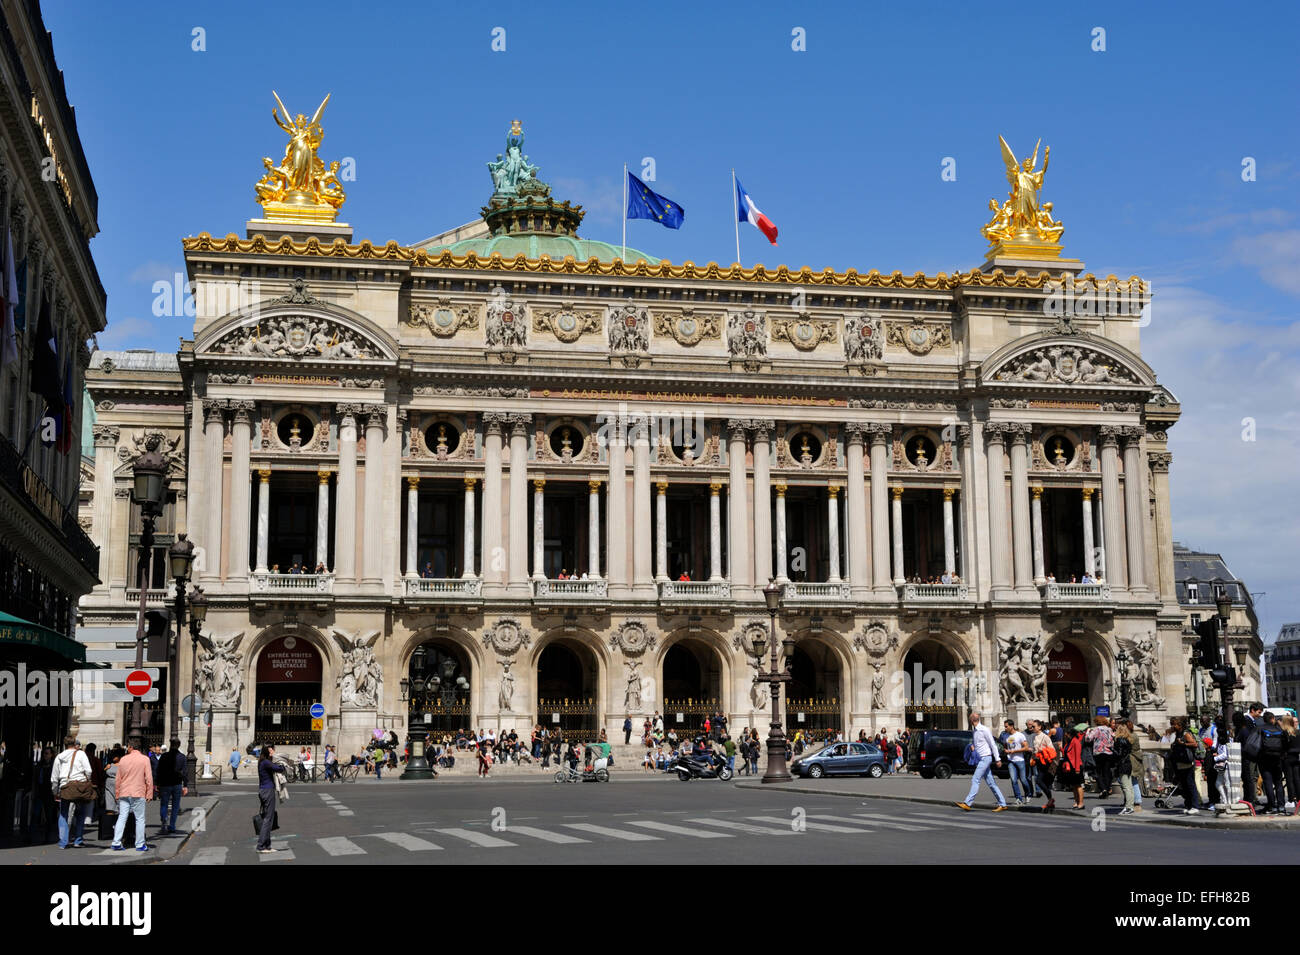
(192, 816)
(947, 792)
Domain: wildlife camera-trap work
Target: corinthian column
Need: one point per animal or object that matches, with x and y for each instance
(880, 436)
(1036, 512)
(1000, 572)
(833, 530)
(412, 525)
(856, 501)
(593, 529)
(519, 501)
(263, 517)
(715, 531)
(1089, 556)
(949, 543)
(1135, 511)
(616, 508)
(539, 528)
(345, 498)
(214, 439)
(493, 555)
(373, 539)
(1021, 550)
(899, 577)
(241, 439)
(322, 521)
(737, 509)
(781, 545)
(763, 502)
(467, 533)
(1110, 504)
(643, 541)
(661, 531)
(101, 527)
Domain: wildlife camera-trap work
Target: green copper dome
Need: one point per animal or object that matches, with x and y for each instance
(535, 246)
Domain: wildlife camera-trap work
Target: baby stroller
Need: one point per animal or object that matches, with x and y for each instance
(1158, 779)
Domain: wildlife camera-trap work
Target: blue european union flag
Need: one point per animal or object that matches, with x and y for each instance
(644, 203)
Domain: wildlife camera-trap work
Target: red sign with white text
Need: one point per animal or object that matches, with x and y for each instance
(289, 660)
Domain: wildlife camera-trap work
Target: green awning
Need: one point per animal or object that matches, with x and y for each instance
(24, 633)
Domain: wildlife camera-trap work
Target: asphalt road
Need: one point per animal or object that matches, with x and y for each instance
(648, 821)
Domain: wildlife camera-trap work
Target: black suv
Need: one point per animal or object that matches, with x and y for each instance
(941, 753)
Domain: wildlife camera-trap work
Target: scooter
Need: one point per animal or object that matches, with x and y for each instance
(691, 767)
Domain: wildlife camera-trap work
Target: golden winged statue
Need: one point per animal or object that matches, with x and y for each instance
(301, 188)
(1021, 225)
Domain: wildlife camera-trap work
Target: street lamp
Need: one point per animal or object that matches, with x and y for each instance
(1224, 676)
(417, 765)
(149, 479)
(776, 772)
(180, 556)
(1122, 659)
(967, 669)
(198, 613)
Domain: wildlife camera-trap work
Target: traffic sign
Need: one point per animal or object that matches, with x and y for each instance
(317, 712)
(87, 694)
(113, 676)
(317, 724)
(191, 705)
(139, 682)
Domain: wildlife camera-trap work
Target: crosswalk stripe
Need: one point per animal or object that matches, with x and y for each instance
(282, 854)
(815, 826)
(612, 833)
(545, 835)
(743, 827)
(406, 841)
(339, 846)
(346, 812)
(212, 855)
(914, 823)
(477, 838)
(938, 820)
(1005, 820)
(677, 830)
(859, 822)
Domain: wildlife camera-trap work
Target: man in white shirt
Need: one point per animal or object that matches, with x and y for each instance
(986, 754)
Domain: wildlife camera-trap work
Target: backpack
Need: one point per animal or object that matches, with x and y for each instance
(1250, 745)
(1270, 741)
(1123, 750)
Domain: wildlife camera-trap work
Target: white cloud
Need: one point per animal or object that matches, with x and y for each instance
(149, 272)
(1275, 254)
(123, 333)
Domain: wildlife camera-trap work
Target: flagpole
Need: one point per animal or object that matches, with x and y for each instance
(624, 212)
(735, 214)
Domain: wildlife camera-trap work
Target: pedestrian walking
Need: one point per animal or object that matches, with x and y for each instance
(1182, 753)
(1071, 772)
(1103, 744)
(234, 764)
(1045, 761)
(71, 785)
(1122, 751)
(134, 790)
(171, 786)
(267, 768)
(1016, 745)
(984, 751)
(627, 729)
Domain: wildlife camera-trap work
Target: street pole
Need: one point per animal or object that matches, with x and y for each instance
(777, 771)
(149, 480)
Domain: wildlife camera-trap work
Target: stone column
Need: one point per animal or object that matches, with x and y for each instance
(263, 517)
(780, 535)
(519, 502)
(616, 509)
(214, 439)
(1099, 534)
(345, 497)
(539, 528)
(1089, 555)
(1036, 515)
(493, 555)
(372, 542)
(715, 531)
(833, 529)
(1000, 571)
(1160, 462)
(412, 524)
(468, 532)
(880, 439)
(856, 501)
(1021, 550)
(661, 531)
(643, 541)
(241, 487)
(101, 528)
(1135, 509)
(593, 529)
(949, 535)
(972, 542)
(737, 509)
(899, 577)
(762, 502)
(1110, 503)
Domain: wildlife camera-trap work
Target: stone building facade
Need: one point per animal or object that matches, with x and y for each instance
(503, 477)
(1282, 663)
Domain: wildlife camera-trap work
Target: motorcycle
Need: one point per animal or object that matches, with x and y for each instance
(584, 775)
(692, 767)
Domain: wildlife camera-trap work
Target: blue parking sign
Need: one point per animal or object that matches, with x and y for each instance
(317, 711)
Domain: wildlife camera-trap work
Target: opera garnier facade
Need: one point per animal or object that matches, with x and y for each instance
(511, 475)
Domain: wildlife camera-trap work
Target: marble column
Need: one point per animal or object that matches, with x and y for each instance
(616, 509)
(856, 502)
(763, 502)
(715, 531)
(412, 524)
(494, 560)
(593, 529)
(1021, 549)
(101, 528)
(1159, 462)
(322, 520)
(949, 534)
(372, 541)
(1135, 509)
(1099, 534)
(880, 440)
(737, 509)
(468, 532)
(519, 502)
(241, 487)
(263, 518)
(1036, 516)
(780, 535)
(899, 576)
(539, 528)
(345, 497)
(833, 530)
(642, 536)
(1089, 556)
(999, 531)
(661, 531)
(1110, 504)
(214, 439)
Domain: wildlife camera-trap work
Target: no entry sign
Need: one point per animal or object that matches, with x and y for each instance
(138, 683)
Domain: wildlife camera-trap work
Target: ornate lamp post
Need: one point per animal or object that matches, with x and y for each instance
(179, 556)
(417, 765)
(1122, 659)
(198, 613)
(150, 486)
(1224, 675)
(967, 669)
(776, 767)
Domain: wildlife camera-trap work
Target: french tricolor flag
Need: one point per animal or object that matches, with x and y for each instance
(746, 211)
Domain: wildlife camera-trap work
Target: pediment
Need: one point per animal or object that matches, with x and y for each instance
(295, 331)
(1067, 360)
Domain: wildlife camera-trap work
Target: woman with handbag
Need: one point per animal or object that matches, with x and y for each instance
(1045, 762)
(267, 768)
(70, 782)
(1071, 771)
(1182, 754)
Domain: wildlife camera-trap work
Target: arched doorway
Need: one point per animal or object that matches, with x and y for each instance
(1069, 682)
(289, 672)
(440, 681)
(814, 695)
(692, 685)
(568, 675)
(933, 695)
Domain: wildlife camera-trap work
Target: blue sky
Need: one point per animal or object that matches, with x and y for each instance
(841, 145)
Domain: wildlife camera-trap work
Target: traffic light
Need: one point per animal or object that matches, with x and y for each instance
(1207, 643)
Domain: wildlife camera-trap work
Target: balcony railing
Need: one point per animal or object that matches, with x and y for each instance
(292, 585)
(578, 589)
(925, 592)
(824, 591)
(695, 590)
(1085, 592)
(444, 587)
(154, 596)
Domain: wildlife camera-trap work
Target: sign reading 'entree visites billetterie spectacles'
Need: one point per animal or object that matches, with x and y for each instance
(289, 660)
